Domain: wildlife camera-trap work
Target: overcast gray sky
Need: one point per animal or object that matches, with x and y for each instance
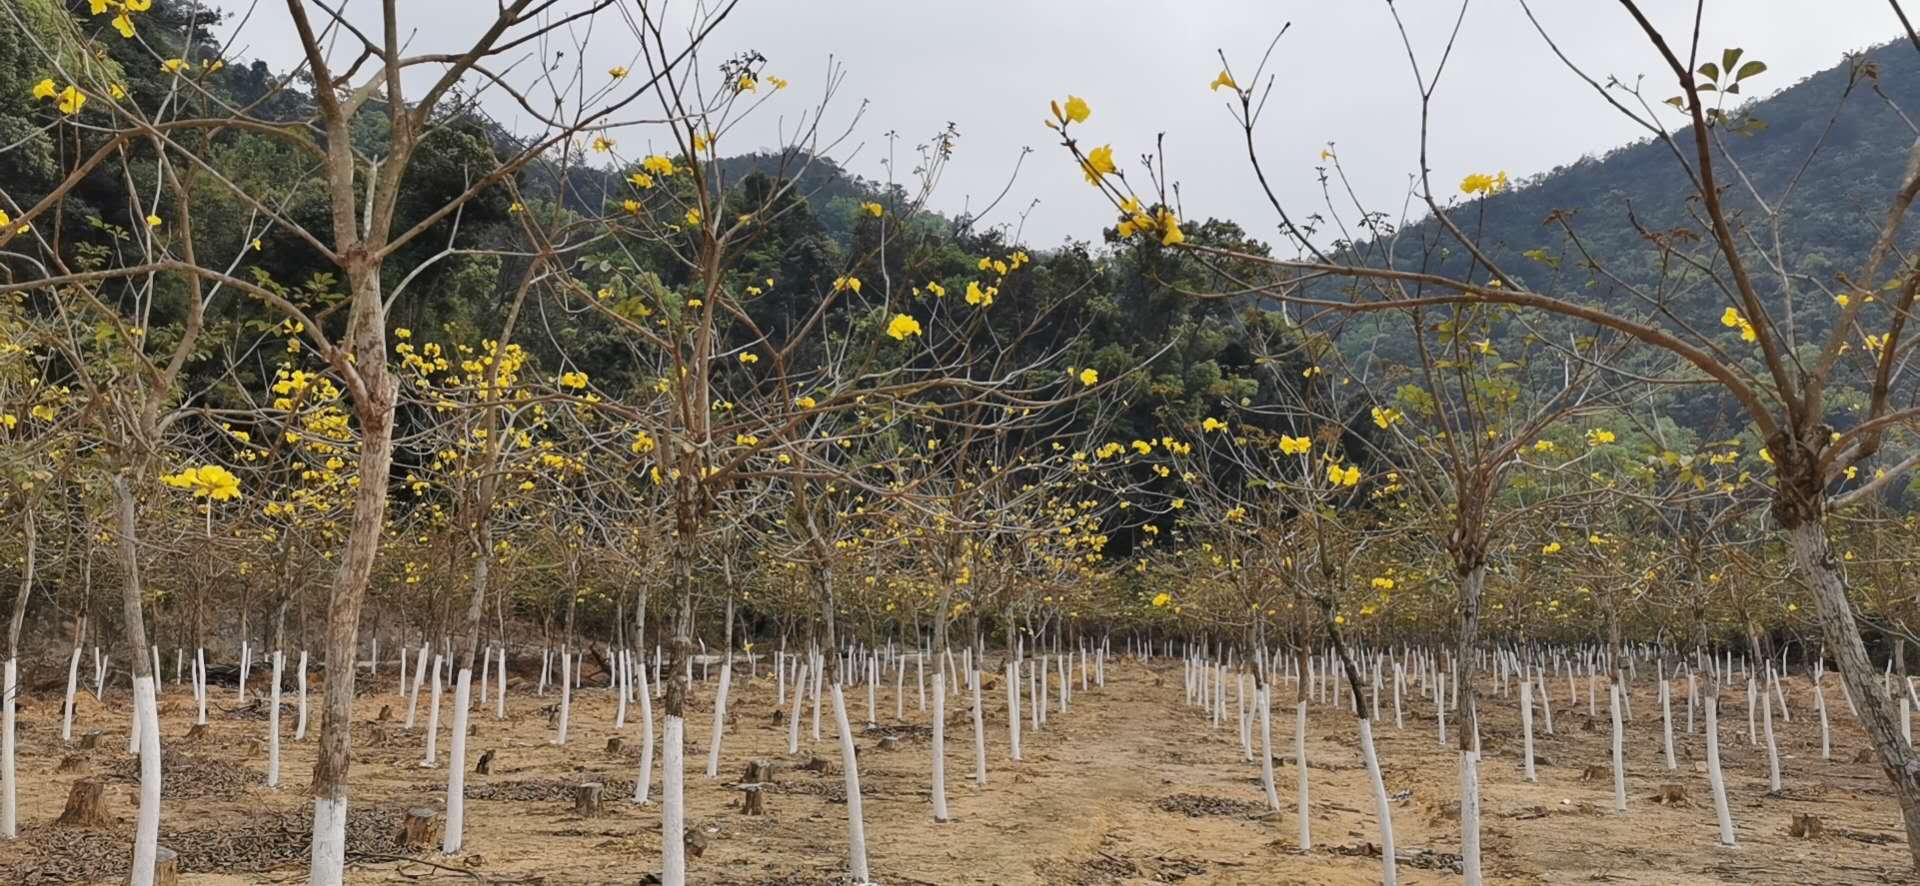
(991, 66)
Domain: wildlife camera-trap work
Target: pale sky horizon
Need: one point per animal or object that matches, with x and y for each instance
(1341, 76)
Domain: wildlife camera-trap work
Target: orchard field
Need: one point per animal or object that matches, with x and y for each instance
(1130, 784)
(584, 441)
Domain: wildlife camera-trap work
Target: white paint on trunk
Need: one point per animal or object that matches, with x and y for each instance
(1470, 818)
(939, 743)
(1526, 730)
(273, 723)
(566, 698)
(433, 719)
(73, 682)
(1266, 748)
(1666, 722)
(300, 727)
(1013, 709)
(979, 732)
(9, 793)
(856, 816)
(328, 863)
(1716, 780)
(413, 695)
(146, 821)
(457, 765)
(719, 720)
(1389, 864)
(673, 811)
(642, 786)
(793, 711)
(1300, 763)
(1619, 755)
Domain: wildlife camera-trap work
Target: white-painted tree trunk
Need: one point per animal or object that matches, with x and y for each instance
(433, 719)
(1013, 709)
(1773, 747)
(793, 712)
(300, 726)
(1666, 722)
(643, 785)
(1826, 736)
(1526, 730)
(1470, 819)
(273, 722)
(979, 732)
(246, 666)
(939, 743)
(673, 810)
(413, 693)
(1303, 806)
(719, 720)
(566, 698)
(1716, 779)
(856, 815)
(819, 674)
(1389, 864)
(1619, 756)
(9, 785)
(200, 657)
(146, 827)
(456, 824)
(73, 682)
(1266, 748)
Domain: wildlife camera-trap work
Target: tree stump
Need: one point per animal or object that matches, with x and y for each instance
(1805, 826)
(381, 738)
(1865, 756)
(166, 867)
(71, 763)
(485, 766)
(586, 799)
(86, 806)
(196, 732)
(696, 841)
(89, 741)
(386, 713)
(889, 742)
(1672, 795)
(1596, 773)
(759, 774)
(615, 745)
(420, 830)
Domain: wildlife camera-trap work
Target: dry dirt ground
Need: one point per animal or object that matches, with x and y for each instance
(1130, 786)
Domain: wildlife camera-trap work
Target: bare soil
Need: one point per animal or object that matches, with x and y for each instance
(1130, 786)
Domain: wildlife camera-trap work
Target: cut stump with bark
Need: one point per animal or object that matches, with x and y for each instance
(485, 766)
(586, 799)
(166, 867)
(86, 806)
(386, 713)
(758, 775)
(71, 763)
(421, 828)
(196, 732)
(1806, 826)
(90, 741)
(616, 745)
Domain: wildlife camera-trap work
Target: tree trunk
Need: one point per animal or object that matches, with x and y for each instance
(332, 759)
(1807, 539)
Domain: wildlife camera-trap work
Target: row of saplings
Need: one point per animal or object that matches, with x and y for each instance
(1036, 682)
(1592, 676)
